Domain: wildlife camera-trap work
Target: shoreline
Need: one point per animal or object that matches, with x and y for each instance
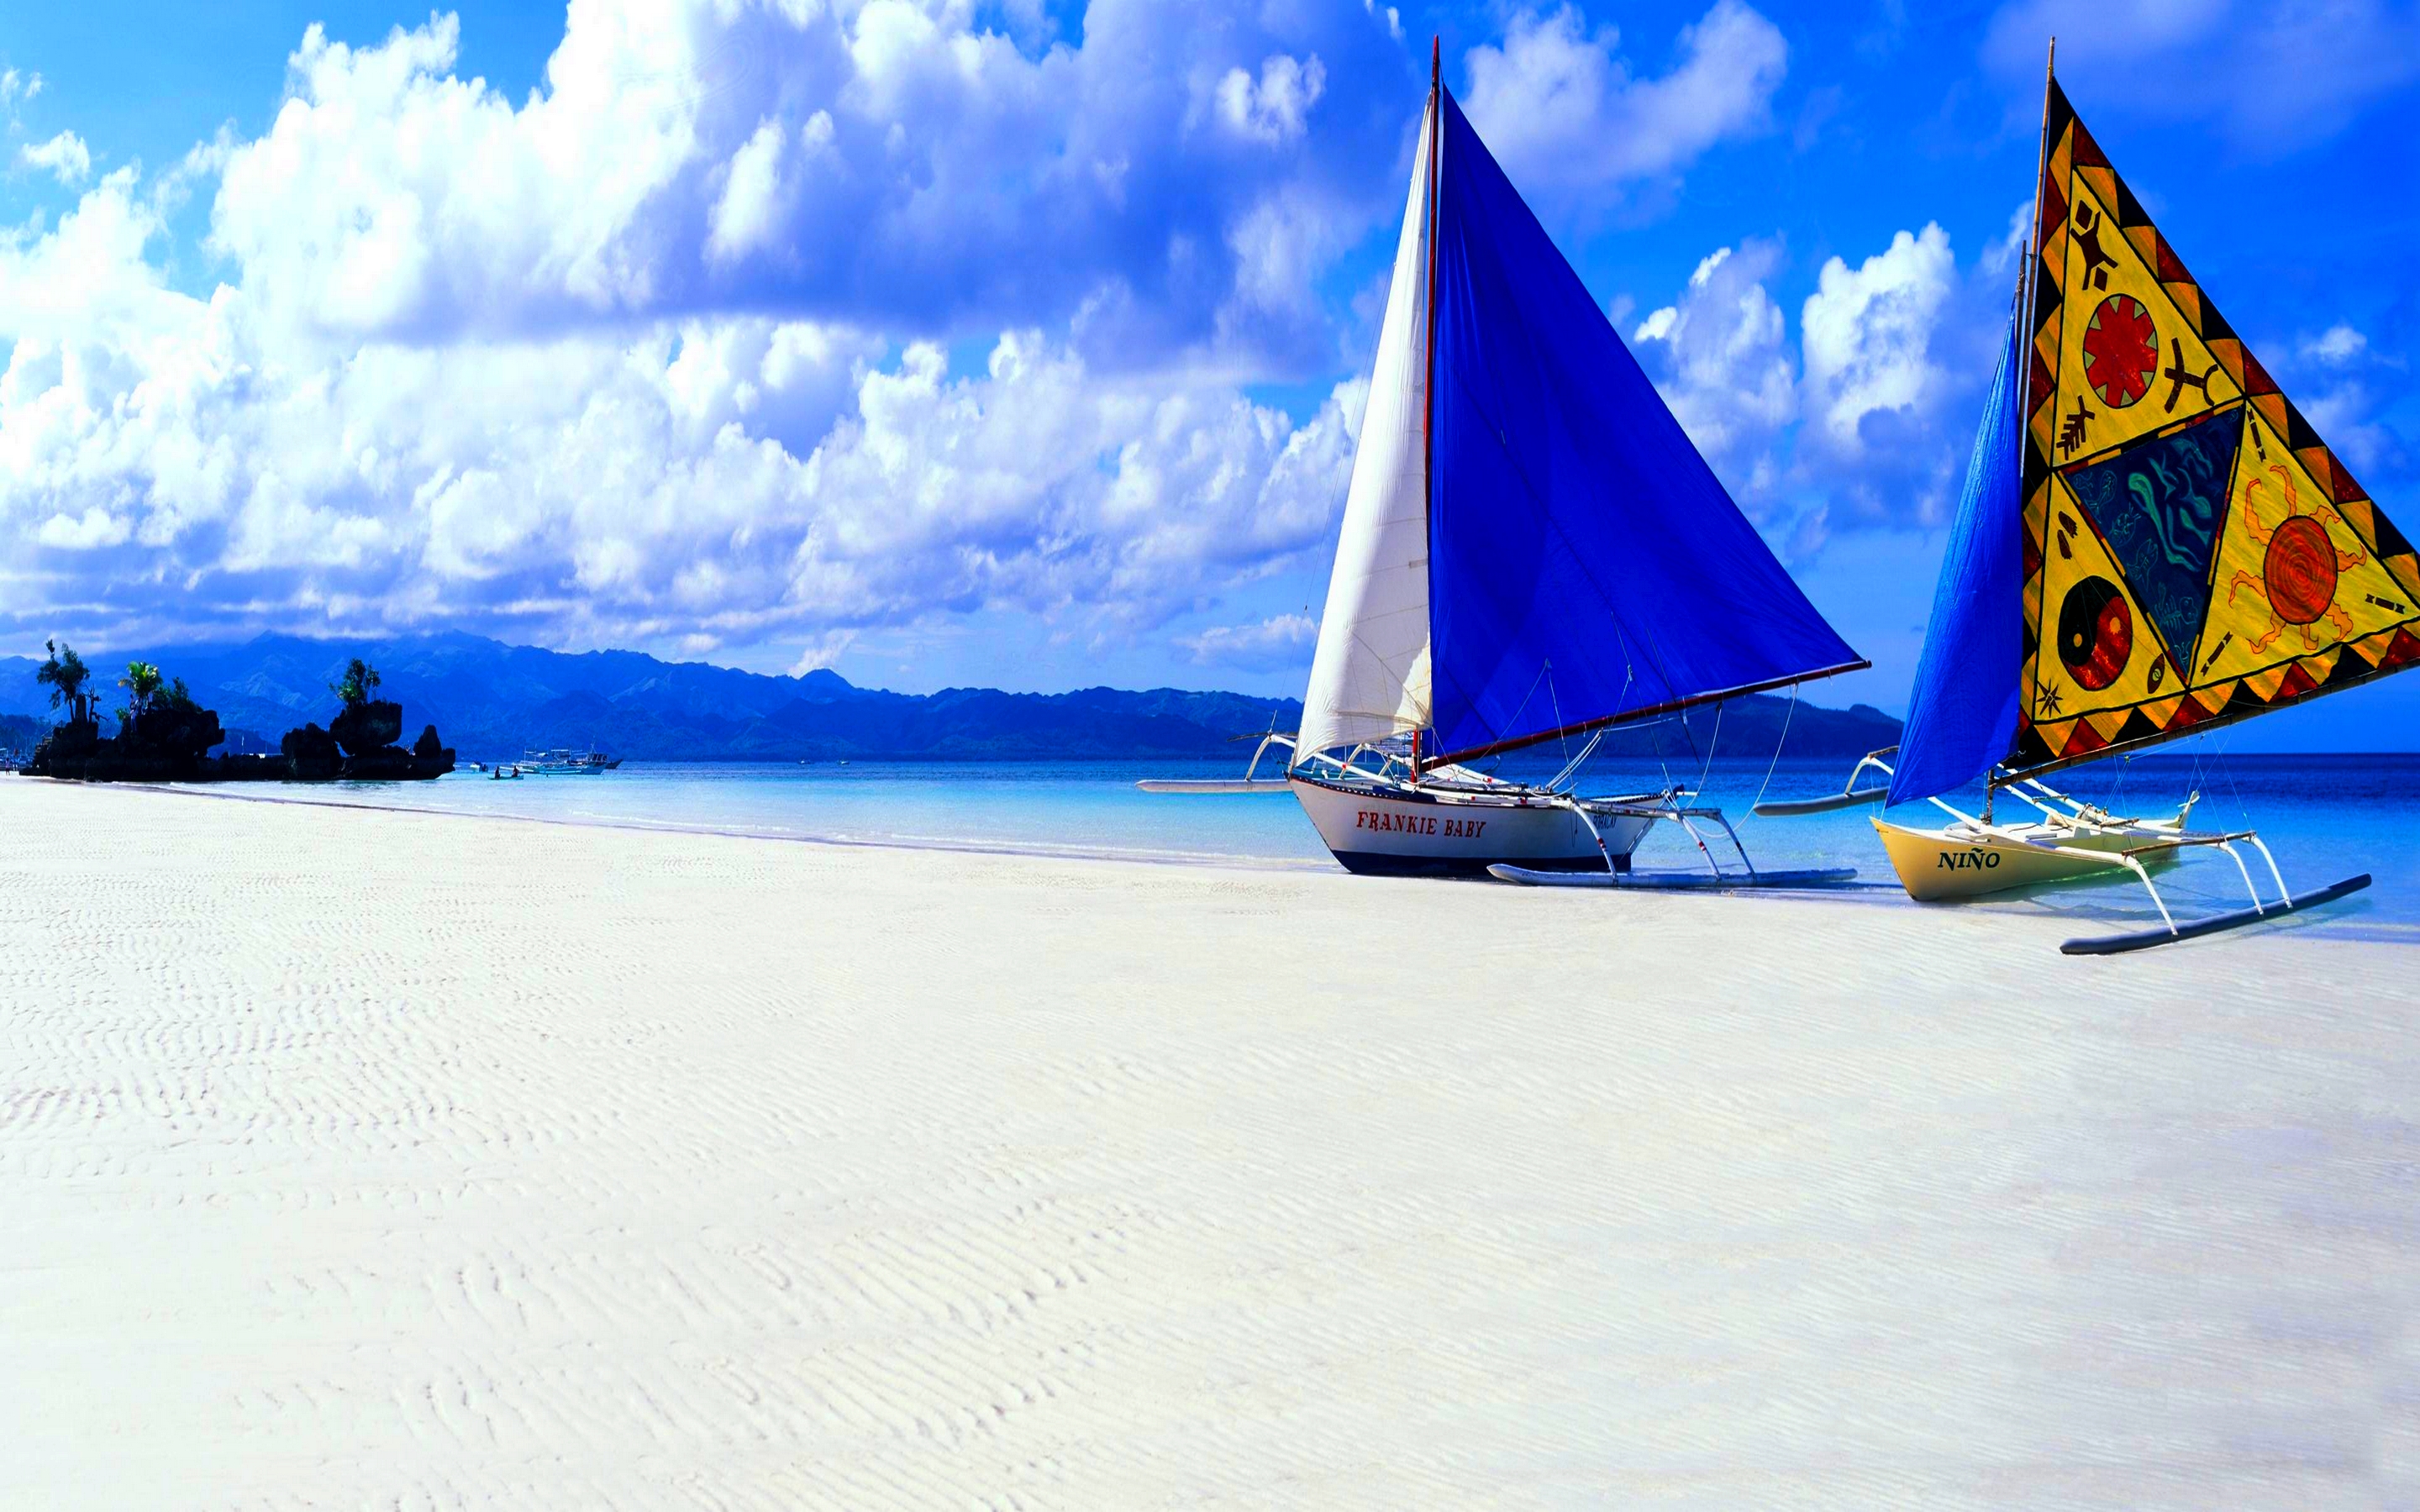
(1874, 886)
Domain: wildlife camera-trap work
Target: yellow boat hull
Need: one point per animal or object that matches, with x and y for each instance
(1940, 866)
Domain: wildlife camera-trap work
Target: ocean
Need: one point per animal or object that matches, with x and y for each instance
(2323, 817)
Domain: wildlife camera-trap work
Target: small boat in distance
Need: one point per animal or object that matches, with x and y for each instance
(1532, 552)
(2153, 542)
(566, 763)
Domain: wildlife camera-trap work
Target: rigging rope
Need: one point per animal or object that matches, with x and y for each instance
(1786, 715)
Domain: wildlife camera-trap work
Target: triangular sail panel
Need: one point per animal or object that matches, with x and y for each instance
(1962, 714)
(1370, 674)
(2193, 551)
(1585, 565)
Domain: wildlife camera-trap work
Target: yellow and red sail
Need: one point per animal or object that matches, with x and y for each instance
(2193, 551)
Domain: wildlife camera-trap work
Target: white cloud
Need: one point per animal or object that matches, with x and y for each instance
(2336, 346)
(64, 157)
(18, 88)
(2343, 414)
(1276, 109)
(1281, 641)
(864, 163)
(1866, 417)
(672, 351)
(821, 651)
(1867, 334)
(1559, 106)
(2272, 77)
(95, 527)
(744, 216)
(730, 476)
(1724, 353)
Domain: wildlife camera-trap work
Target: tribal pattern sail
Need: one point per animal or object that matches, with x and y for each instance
(2193, 553)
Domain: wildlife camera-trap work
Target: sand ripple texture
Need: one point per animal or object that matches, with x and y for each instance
(384, 1160)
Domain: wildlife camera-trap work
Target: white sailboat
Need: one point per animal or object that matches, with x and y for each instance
(1532, 551)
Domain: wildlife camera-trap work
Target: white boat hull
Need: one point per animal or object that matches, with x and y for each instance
(1374, 829)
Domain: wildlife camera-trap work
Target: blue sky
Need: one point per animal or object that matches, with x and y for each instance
(1020, 342)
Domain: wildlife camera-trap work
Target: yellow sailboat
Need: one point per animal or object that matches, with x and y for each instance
(2152, 542)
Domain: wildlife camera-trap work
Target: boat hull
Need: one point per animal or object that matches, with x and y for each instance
(1942, 866)
(1391, 832)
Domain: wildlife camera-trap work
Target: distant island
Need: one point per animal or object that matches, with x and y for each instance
(498, 701)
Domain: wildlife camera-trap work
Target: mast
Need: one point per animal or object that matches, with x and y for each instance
(1428, 337)
(2026, 312)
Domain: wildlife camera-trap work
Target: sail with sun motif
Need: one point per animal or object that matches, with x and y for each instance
(2152, 541)
(2193, 551)
(2190, 552)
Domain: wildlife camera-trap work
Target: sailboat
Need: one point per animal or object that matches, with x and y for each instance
(2152, 542)
(1532, 551)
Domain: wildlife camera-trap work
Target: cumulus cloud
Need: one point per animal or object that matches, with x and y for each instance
(1276, 109)
(16, 89)
(745, 214)
(1725, 355)
(2335, 346)
(700, 481)
(515, 365)
(2332, 385)
(867, 164)
(64, 157)
(1560, 106)
(1869, 337)
(2271, 77)
(757, 320)
(1861, 417)
(1281, 641)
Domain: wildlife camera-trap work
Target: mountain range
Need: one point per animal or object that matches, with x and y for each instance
(490, 701)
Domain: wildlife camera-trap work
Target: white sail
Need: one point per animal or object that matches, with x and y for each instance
(1369, 677)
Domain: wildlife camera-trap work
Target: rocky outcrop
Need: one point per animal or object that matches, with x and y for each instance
(392, 764)
(65, 749)
(170, 740)
(312, 755)
(367, 727)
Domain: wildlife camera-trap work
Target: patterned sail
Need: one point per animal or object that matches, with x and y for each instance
(2194, 552)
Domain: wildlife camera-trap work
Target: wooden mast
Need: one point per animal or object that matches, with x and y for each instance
(1428, 355)
(2026, 312)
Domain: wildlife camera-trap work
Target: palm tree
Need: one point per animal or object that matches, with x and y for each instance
(141, 681)
(360, 681)
(64, 675)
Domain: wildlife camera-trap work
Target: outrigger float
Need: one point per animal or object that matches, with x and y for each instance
(1532, 551)
(2153, 543)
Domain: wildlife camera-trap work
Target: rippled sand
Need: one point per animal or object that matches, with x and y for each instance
(352, 1158)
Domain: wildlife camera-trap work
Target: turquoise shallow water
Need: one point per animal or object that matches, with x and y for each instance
(2323, 816)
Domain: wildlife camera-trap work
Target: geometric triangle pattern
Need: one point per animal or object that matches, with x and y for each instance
(2194, 552)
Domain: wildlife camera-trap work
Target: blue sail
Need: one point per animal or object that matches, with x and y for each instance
(1585, 565)
(1962, 718)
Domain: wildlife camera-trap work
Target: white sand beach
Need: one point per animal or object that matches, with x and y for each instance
(354, 1159)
